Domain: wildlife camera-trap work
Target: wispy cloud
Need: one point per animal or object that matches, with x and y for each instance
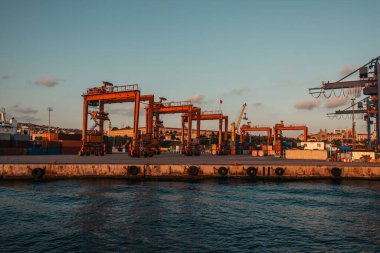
(197, 99)
(307, 104)
(48, 81)
(239, 91)
(28, 119)
(336, 102)
(347, 70)
(23, 110)
(6, 77)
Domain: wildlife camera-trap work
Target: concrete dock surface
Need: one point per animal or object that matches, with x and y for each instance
(173, 159)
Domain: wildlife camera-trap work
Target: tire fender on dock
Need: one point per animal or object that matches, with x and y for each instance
(193, 170)
(133, 170)
(279, 171)
(38, 173)
(336, 172)
(223, 171)
(252, 171)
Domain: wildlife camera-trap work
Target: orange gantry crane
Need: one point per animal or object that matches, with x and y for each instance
(189, 146)
(246, 128)
(92, 142)
(213, 115)
(277, 140)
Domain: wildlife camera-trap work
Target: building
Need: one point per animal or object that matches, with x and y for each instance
(337, 134)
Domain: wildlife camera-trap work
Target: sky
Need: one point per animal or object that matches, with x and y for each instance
(263, 53)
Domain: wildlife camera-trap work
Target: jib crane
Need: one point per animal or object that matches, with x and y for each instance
(190, 147)
(214, 115)
(235, 127)
(92, 143)
(246, 128)
(277, 135)
(369, 81)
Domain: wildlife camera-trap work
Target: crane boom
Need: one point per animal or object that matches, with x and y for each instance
(240, 116)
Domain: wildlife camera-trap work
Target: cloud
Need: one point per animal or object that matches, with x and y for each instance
(6, 77)
(48, 81)
(197, 99)
(307, 104)
(347, 70)
(239, 91)
(336, 102)
(27, 119)
(23, 110)
(258, 104)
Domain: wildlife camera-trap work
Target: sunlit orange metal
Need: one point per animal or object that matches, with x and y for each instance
(109, 94)
(213, 116)
(278, 128)
(247, 128)
(184, 107)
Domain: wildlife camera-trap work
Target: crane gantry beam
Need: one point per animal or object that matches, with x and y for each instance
(247, 128)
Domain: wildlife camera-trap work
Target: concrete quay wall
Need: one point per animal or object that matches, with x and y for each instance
(55, 171)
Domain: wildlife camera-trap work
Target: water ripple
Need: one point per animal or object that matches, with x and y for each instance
(208, 216)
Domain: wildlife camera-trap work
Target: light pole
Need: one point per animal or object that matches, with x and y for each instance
(50, 109)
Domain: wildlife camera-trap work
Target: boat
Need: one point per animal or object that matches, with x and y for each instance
(7, 126)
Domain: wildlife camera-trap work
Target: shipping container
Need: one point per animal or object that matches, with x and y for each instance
(70, 150)
(12, 151)
(5, 143)
(22, 144)
(21, 137)
(72, 137)
(70, 143)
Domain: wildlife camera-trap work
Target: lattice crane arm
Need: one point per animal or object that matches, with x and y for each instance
(240, 116)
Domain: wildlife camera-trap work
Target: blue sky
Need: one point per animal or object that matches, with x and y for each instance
(264, 53)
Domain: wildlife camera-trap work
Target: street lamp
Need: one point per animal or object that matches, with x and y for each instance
(50, 109)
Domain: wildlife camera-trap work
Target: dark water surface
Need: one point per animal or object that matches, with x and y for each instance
(206, 216)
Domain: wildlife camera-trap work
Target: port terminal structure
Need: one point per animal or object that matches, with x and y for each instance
(147, 144)
(368, 83)
(212, 115)
(176, 166)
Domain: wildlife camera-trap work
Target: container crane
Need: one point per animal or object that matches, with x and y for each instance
(190, 147)
(92, 142)
(214, 115)
(235, 128)
(277, 136)
(246, 128)
(369, 81)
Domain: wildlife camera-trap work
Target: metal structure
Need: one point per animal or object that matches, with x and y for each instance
(50, 109)
(213, 115)
(368, 112)
(277, 135)
(92, 142)
(235, 128)
(247, 128)
(189, 146)
(368, 81)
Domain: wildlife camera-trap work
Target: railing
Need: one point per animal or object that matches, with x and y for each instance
(212, 112)
(180, 103)
(111, 89)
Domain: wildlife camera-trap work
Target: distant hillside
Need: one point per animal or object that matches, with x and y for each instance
(29, 128)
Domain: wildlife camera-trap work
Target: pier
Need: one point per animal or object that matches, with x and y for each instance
(176, 166)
